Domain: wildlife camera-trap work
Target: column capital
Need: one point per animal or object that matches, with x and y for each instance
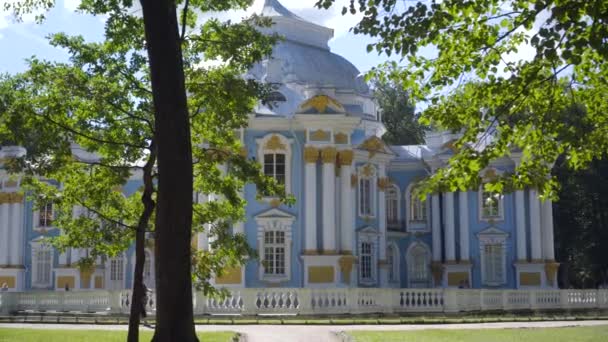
(10, 197)
(345, 157)
(328, 155)
(383, 183)
(311, 154)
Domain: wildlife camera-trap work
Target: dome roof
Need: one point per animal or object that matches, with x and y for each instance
(301, 64)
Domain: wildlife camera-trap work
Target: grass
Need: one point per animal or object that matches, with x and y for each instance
(570, 334)
(52, 335)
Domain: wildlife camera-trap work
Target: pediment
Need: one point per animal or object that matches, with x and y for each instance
(368, 230)
(493, 231)
(375, 145)
(275, 214)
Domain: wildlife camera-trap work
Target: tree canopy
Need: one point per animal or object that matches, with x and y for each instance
(509, 70)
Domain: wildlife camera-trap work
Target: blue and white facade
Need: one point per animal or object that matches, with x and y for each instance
(356, 221)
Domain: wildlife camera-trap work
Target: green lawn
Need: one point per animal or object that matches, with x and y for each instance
(574, 334)
(43, 335)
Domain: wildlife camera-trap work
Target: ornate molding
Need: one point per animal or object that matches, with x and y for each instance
(320, 135)
(374, 145)
(10, 197)
(551, 268)
(383, 183)
(368, 170)
(328, 155)
(274, 143)
(346, 266)
(353, 180)
(311, 154)
(346, 157)
(341, 138)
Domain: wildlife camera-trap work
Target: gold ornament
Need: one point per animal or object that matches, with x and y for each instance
(328, 155)
(320, 135)
(346, 266)
(368, 170)
(373, 145)
(346, 157)
(320, 103)
(383, 183)
(274, 143)
(353, 180)
(341, 138)
(551, 268)
(10, 197)
(311, 154)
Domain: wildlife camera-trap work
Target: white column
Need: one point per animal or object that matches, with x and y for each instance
(329, 200)
(347, 208)
(463, 203)
(520, 224)
(382, 212)
(535, 242)
(16, 248)
(311, 155)
(547, 230)
(4, 231)
(436, 227)
(450, 236)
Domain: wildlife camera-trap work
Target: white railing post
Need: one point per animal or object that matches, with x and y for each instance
(533, 304)
(115, 301)
(450, 300)
(8, 301)
(305, 301)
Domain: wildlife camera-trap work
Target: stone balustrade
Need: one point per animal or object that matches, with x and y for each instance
(290, 301)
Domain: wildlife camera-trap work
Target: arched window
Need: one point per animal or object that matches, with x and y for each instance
(392, 259)
(42, 264)
(274, 152)
(418, 265)
(417, 210)
(367, 190)
(392, 207)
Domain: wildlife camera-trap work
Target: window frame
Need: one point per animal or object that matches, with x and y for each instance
(36, 248)
(276, 143)
(368, 236)
(413, 225)
(481, 198)
(411, 266)
(488, 237)
(275, 220)
(394, 264)
(368, 173)
(393, 193)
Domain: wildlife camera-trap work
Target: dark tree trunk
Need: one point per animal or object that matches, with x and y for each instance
(137, 300)
(174, 316)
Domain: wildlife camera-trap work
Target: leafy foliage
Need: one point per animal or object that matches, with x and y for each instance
(475, 83)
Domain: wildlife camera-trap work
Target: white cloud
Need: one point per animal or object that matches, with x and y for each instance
(71, 5)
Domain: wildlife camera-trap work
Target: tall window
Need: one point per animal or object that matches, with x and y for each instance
(274, 166)
(42, 263)
(392, 206)
(116, 269)
(274, 253)
(417, 208)
(45, 216)
(494, 265)
(367, 189)
(418, 259)
(491, 205)
(366, 261)
(392, 259)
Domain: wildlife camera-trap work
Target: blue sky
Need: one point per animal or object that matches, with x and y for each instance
(21, 40)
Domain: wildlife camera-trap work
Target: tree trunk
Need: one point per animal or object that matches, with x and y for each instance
(137, 304)
(174, 314)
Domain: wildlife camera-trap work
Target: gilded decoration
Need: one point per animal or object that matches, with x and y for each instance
(311, 154)
(341, 138)
(346, 267)
(274, 143)
(383, 183)
(550, 271)
(320, 274)
(275, 202)
(11, 183)
(368, 170)
(451, 145)
(320, 135)
(243, 152)
(373, 145)
(232, 275)
(346, 157)
(490, 174)
(10, 197)
(328, 155)
(321, 104)
(529, 279)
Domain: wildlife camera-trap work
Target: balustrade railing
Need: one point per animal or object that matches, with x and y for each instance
(292, 301)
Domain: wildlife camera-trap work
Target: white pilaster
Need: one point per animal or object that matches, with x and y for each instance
(382, 225)
(4, 233)
(436, 228)
(329, 200)
(547, 230)
(463, 203)
(535, 242)
(347, 203)
(450, 236)
(310, 201)
(16, 233)
(520, 223)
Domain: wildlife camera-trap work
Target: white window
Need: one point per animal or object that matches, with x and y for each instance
(45, 215)
(367, 190)
(491, 205)
(42, 265)
(392, 259)
(367, 250)
(418, 265)
(274, 253)
(493, 254)
(116, 269)
(392, 207)
(274, 245)
(274, 153)
(417, 210)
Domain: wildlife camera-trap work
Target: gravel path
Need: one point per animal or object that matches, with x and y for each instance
(317, 333)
